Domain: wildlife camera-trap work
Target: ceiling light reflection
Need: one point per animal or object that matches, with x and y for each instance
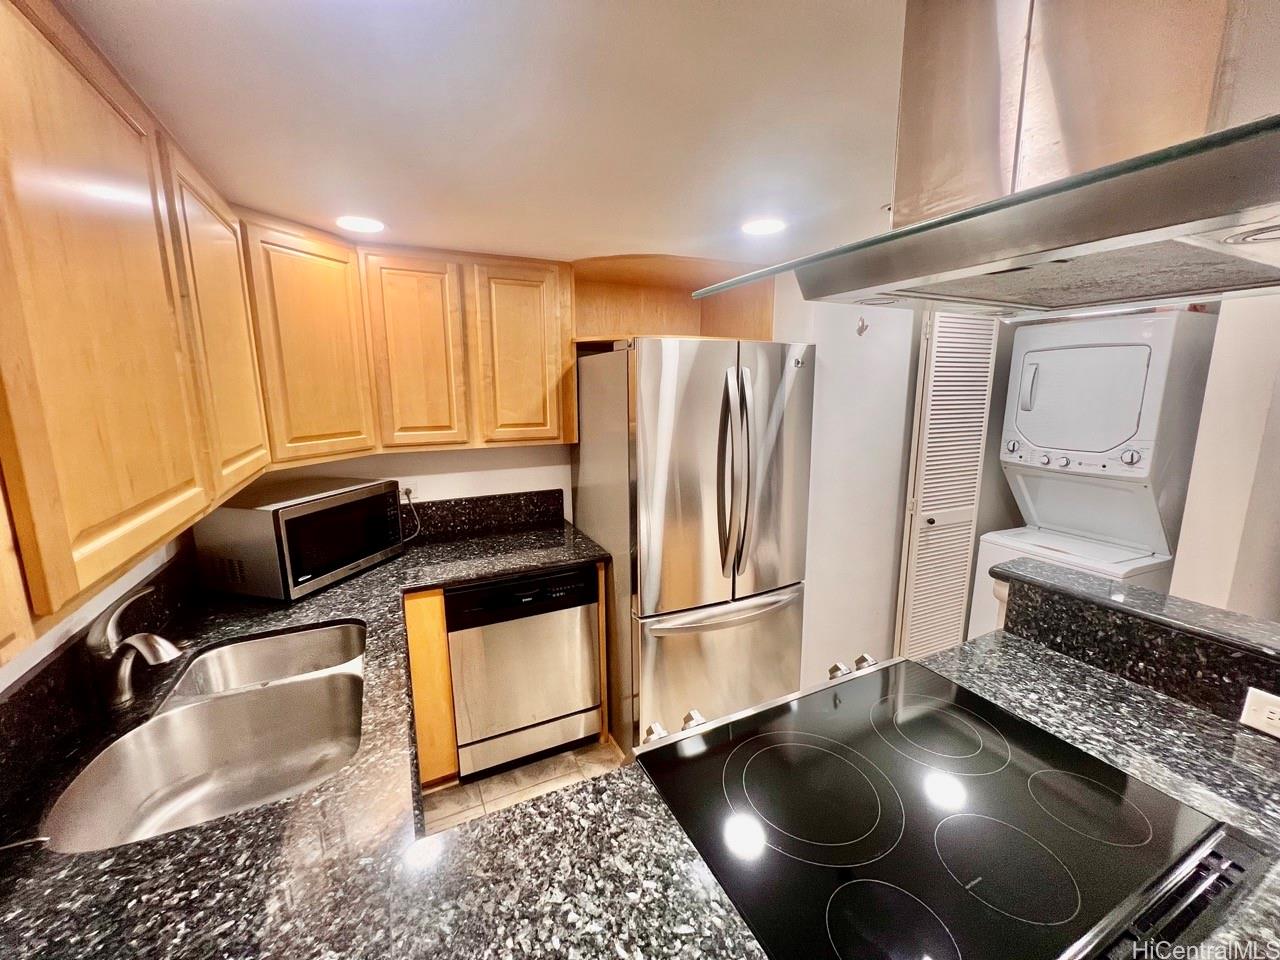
(423, 852)
(744, 836)
(945, 791)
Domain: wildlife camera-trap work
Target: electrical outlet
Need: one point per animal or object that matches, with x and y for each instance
(1261, 711)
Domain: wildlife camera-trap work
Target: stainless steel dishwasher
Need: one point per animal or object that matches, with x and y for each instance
(525, 659)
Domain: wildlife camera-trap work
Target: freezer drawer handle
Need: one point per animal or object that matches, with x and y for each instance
(746, 611)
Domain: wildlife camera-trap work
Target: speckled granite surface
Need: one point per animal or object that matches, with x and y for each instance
(599, 870)
(1205, 656)
(311, 876)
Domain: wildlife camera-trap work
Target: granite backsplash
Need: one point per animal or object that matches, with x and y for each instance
(1198, 654)
(444, 520)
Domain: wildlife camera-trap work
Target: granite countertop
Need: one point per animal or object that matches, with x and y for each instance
(311, 876)
(598, 870)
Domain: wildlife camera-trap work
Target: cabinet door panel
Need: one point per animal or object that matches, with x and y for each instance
(516, 336)
(311, 333)
(432, 686)
(212, 284)
(415, 317)
(102, 451)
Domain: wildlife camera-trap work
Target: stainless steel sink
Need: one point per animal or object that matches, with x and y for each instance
(244, 742)
(251, 663)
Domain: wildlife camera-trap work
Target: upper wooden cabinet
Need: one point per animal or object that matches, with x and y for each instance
(521, 356)
(101, 445)
(305, 290)
(211, 281)
(419, 350)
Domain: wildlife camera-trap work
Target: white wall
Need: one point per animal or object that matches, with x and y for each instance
(445, 474)
(863, 401)
(1229, 548)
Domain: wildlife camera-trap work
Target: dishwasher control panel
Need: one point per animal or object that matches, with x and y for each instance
(527, 595)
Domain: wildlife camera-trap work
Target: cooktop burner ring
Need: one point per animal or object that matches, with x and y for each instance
(882, 895)
(1125, 804)
(873, 843)
(940, 753)
(964, 860)
(821, 843)
(993, 749)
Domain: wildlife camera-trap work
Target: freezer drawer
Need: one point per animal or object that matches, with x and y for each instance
(719, 659)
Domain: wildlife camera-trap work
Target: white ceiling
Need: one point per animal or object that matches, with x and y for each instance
(556, 128)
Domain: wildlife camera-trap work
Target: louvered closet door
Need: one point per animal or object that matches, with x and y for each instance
(942, 504)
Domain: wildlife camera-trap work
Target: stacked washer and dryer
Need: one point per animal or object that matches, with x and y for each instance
(1099, 431)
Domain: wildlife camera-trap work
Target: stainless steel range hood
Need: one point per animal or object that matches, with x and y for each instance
(1195, 220)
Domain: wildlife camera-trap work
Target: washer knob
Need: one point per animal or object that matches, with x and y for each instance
(865, 661)
(1130, 457)
(1012, 446)
(1064, 461)
(838, 669)
(1044, 458)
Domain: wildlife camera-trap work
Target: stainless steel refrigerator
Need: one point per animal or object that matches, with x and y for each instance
(692, 469)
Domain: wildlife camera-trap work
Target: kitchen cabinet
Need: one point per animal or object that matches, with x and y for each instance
(305, 293)
(101, 444)
(521, 358)
(15, 621)
(419, 349)
(432, 686)
(215, 298)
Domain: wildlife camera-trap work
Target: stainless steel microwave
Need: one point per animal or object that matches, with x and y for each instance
(287, 537)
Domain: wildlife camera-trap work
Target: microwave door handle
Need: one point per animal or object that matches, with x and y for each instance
(1027, 395)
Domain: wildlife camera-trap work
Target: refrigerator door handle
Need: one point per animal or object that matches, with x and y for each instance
(724, 616)
(746, 539)
(728, 506)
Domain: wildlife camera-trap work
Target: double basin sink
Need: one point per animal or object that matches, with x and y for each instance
(246, 723)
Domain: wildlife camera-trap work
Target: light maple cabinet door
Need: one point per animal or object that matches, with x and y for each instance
(518, 349)
(419, 351)
(215, 297)
(305, 291)
(100, 440)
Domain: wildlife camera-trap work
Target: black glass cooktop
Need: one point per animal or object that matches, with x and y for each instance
(897, 815)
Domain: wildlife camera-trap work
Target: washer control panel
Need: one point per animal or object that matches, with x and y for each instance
(1132, 461)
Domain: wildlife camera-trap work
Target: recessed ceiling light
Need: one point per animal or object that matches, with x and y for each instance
(361, 224)
(763, 226)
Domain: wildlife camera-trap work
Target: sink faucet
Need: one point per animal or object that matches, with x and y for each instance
(107, 646)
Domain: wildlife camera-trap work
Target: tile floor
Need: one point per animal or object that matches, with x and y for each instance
(451, 805)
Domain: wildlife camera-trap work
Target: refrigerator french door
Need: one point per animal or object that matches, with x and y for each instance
(707, 442)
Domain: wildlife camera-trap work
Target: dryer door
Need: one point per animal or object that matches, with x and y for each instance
(1086, 398)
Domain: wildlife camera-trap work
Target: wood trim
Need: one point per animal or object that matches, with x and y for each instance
(432, 686)
(16, 632)
(602, 628)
